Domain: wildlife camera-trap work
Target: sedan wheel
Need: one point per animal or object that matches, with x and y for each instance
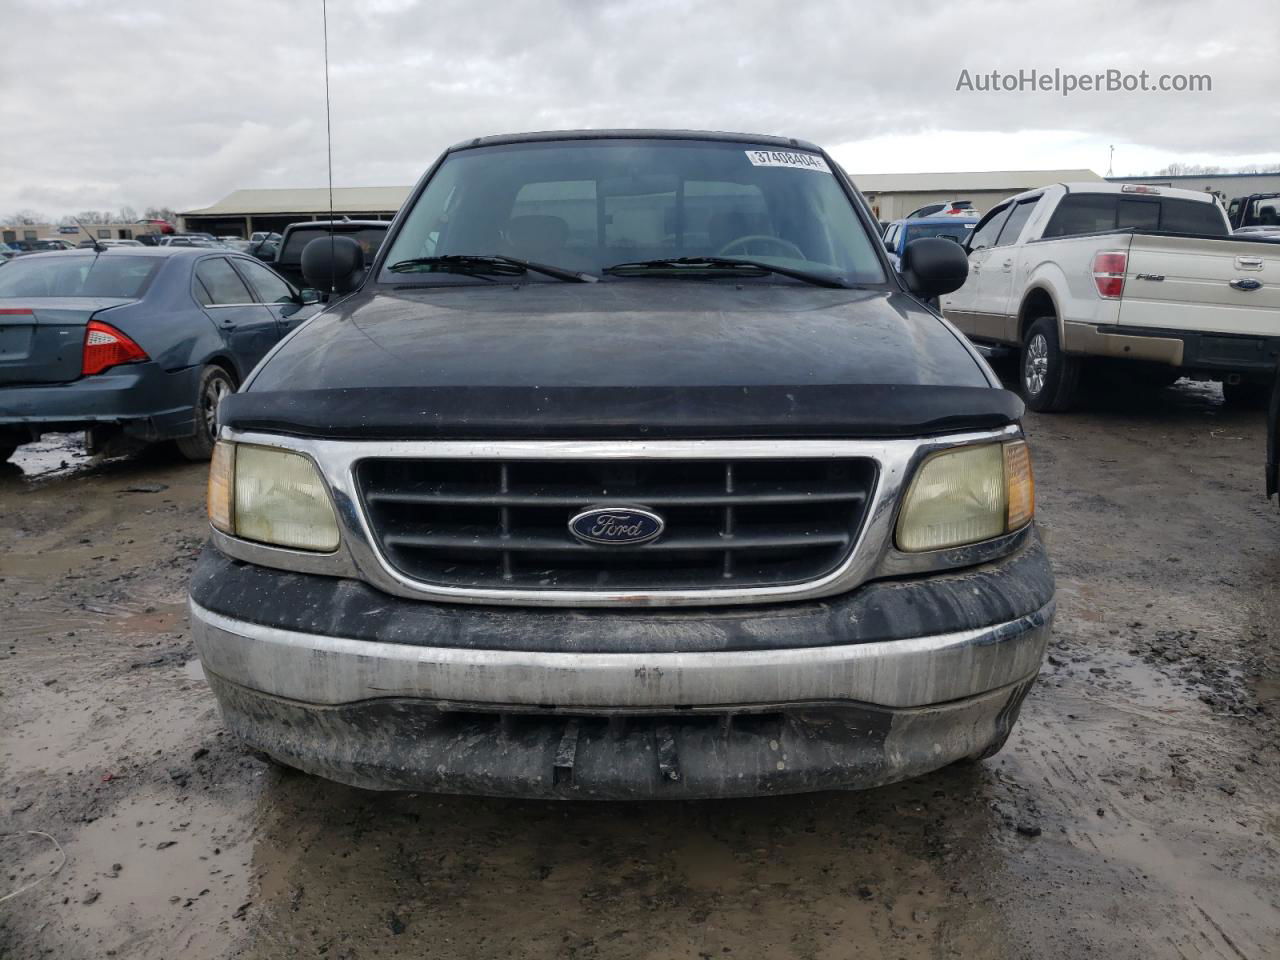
(214, 391)
(215, 383)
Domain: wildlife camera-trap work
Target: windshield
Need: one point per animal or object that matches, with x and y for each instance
(1264, 212)
(68, 275)
(953, 231)
(588, 205)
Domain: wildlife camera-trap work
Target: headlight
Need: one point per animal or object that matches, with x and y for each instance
(967, 495)
(272, 496)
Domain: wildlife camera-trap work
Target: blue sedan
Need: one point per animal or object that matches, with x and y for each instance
(134, 342)
(901, 232)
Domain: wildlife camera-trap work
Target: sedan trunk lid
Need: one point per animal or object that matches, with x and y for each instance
(42, 339)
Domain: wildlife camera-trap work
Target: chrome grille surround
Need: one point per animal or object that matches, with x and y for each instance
(719, 523)
(871, 556)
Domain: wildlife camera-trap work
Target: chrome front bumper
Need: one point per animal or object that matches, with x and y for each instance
(325, 670)
(618, 726)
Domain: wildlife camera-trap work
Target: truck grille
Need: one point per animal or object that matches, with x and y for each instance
(504, 524)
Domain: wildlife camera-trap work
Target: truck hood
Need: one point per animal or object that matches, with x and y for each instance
(655, 357)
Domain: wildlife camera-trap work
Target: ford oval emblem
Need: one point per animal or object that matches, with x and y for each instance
(1247, 283)
(616, 526)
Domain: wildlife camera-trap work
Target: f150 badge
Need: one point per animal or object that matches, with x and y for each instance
(1246, 283)
(616, 526)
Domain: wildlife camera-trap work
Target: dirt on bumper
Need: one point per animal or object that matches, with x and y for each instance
(796, 712)
(404, 744)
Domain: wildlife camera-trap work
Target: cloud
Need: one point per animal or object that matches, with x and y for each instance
(148, 102)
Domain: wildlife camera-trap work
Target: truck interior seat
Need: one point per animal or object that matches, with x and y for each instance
(537, 235)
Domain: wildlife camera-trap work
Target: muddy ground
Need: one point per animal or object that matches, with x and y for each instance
(1133, 814)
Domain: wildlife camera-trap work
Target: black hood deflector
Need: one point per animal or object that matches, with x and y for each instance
(634, 413)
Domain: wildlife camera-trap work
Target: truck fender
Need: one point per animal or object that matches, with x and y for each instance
(1038, 299)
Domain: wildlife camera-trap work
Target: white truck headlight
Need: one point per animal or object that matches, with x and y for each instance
(270, 495)
(967, 495)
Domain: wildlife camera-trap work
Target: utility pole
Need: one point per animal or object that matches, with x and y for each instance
(1111, 157)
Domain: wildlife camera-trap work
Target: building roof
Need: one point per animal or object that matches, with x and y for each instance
(1272, 174)
(305, 200)
(311, 200)
(1010, 181)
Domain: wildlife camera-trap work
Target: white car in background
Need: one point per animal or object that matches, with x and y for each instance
(950, 208)
(83, 244)
(1144, 275)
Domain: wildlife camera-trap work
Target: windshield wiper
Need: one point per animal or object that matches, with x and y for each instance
(487, 265)
(673, 266)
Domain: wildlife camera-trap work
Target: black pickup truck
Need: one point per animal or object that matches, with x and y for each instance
(287, 260)
(1256, 211)
(629, 468)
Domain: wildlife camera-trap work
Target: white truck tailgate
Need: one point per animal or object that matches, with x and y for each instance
(1185, 283)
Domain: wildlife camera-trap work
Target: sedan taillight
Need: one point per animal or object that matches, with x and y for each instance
(1108, 273)
(105, 346)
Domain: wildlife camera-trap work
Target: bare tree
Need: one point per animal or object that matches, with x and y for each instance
(25, 217)
(1179, 169)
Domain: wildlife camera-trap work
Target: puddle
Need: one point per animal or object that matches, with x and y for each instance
(1129, 686)
(1144, 789)
(1265, 689)
(93, 731)
(31, 858)
(62, 457)
(55, 454)
(152, 874)
(154, 619)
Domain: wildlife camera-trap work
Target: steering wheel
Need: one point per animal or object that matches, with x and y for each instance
(788, 248)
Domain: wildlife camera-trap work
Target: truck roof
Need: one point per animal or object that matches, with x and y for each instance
(545, 135)
(1093, 186)
(337, 225)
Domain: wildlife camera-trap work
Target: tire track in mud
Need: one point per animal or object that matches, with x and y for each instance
(1132, 772)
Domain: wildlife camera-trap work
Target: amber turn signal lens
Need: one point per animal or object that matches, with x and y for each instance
(222, 469)
(1020, 485)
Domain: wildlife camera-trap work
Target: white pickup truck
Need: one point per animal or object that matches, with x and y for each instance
(1147, 275)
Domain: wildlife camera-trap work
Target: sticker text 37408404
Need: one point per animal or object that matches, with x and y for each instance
(785, 158)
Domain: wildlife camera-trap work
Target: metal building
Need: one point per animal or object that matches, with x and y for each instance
(1224, 186)
(894, 195)
(246, 211)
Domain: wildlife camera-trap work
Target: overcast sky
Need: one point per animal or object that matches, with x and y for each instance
(179, 102)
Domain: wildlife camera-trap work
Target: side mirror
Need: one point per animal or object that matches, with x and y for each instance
(333, 263)
(310, 295)
(932, 266)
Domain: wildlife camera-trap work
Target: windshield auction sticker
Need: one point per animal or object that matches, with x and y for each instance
(783, 158)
